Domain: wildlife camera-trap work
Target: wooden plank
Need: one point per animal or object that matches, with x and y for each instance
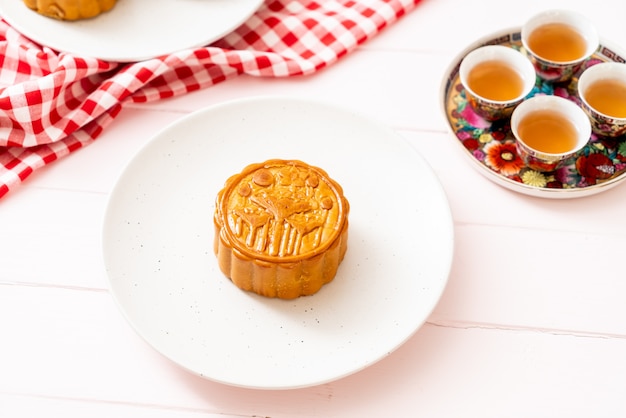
(72, 345)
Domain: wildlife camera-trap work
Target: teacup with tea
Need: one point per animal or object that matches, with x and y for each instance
(558, 42)
(602, 91)
(496, 78)
(548, 131)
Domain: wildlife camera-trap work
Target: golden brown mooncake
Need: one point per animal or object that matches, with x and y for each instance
(70, 9)
(281, 228)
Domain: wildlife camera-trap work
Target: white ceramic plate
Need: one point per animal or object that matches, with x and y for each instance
(158, 246)
(134, 30)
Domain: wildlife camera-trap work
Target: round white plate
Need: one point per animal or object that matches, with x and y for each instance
(134, 30)
(158, 246)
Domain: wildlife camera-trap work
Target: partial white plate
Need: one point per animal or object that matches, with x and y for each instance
(158, 246)
(134, 30)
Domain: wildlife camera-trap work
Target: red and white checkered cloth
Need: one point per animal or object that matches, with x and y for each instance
(52, 104)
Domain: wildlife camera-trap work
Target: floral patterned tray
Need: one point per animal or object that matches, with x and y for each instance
(491, 146)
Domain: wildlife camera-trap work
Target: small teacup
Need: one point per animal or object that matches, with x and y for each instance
(558, 42)
(548, 131)
(496, 78)
(602, 90)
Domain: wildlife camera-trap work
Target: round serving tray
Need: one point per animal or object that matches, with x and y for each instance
(490, 147)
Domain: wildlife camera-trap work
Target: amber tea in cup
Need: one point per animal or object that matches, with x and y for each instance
(496, 79)
(608, 97)
(558, 42)
(602, 91)
(548, 131)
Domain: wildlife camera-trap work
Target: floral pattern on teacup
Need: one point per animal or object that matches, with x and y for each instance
(603, 125)
(554, 73)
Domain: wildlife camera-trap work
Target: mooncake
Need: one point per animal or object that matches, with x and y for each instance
(70, 9)
(281, 228)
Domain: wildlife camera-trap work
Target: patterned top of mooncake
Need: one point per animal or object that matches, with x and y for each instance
(281, 210)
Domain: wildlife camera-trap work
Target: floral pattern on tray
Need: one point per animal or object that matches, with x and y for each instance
(492, 144)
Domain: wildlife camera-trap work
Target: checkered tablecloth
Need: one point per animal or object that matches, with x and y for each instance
(53, 103)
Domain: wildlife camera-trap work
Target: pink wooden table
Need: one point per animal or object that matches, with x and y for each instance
(532, 322)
